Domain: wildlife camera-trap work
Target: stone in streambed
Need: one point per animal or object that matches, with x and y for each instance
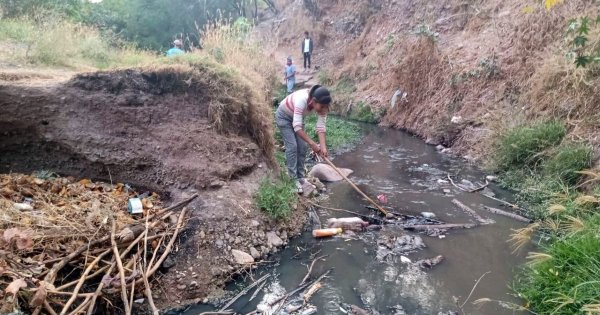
(273, 240)
(242, 257)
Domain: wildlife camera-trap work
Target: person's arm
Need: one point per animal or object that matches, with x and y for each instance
(297, 123)
(321, 120)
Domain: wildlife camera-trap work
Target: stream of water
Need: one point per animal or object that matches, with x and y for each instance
(407, 171)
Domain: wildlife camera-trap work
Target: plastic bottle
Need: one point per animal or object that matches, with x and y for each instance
(326, 232)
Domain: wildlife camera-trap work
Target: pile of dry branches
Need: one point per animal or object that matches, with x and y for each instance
(71, 247)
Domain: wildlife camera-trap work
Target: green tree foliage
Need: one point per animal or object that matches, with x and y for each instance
(151, 24)
(582, 50)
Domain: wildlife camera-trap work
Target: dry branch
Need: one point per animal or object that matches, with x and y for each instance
(507, 214)
(120, 268)
(448, 226)
(472, 212)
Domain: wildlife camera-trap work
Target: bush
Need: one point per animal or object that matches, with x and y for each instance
(277, 197)
(522, 146)
(51, 41)
(567, 161)
(564, 280)
(363, 112)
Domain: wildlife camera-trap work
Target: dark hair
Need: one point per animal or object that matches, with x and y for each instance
(306, 33)
(321, 94)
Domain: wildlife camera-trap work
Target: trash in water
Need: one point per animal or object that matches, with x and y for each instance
(326, 232)
(428, 215)
(405, 260)
(382, 198)
(353, 223)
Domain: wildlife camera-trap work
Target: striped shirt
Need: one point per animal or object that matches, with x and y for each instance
(295, 106)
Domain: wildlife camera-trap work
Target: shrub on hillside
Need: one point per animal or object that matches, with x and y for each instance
(567, 161)
(522, 146)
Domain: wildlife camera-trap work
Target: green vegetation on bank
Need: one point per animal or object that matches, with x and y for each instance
(545, 170)
(277, 197)
(340, 132)
(56, 42)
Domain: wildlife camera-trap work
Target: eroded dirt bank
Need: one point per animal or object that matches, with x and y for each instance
(177, 130)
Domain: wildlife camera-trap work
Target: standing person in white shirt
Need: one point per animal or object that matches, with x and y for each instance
(307, 48)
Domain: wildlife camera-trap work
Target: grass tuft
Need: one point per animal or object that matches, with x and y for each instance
(568, 161)
(277, 197)
(523, 146)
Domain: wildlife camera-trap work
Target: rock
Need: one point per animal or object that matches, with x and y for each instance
(217, 184)
(428, 215)
(273, 240)
(168, 263)
(491, 178)
(219, 243)
(202, 234)
(284, 235)
(440, 147)
(254, 252)
(446, 191)
(326, 173)
(194, 284)
(238, 240)
(431, 262)
(456, 119)
(241, 257)
(254, 223)
(181, 286)
(405, 260)
(446, 151)
(430, 141)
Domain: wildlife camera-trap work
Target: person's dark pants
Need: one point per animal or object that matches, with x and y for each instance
(306, 60)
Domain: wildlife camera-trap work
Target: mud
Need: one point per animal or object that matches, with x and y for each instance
(125, 126)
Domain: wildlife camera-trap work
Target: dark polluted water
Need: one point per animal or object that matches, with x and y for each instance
(364, 273)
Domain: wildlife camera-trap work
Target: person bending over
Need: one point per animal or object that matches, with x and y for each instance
(290, 121)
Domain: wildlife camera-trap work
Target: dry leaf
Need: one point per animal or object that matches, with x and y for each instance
(38, 181)
(25, 241)
(26, 192)
(14, 287)
(40, 295)
(85, 181)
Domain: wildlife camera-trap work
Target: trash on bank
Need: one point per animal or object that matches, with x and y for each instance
(134, 206)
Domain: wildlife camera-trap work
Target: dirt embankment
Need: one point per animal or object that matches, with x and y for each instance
(177, 130)
(487, 64)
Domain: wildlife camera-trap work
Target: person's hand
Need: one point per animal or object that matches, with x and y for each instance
(316, 148)
(324, 152)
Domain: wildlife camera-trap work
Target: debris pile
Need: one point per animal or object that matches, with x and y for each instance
(69, 246)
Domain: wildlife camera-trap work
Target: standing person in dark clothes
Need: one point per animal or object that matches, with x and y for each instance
(307, 48)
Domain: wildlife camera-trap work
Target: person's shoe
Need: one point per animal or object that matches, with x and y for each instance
(299, 188)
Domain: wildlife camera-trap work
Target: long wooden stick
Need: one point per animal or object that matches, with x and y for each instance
(120, 268)
(243, 292)
(472, 212)
(440, 226)
(507, 214)
(356, 187)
